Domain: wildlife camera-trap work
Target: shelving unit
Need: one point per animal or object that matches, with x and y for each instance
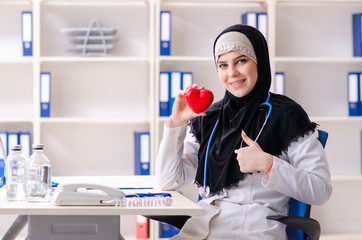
(98, 102)
(316, 77)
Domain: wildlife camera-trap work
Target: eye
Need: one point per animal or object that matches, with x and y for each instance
(243, 60)
(222, 65)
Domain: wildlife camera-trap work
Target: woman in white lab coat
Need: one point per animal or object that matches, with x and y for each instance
(248, 153)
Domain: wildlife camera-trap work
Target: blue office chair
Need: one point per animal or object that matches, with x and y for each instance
(299, 224)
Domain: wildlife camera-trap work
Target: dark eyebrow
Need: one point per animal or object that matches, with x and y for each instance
(234, 59)
(240, 56)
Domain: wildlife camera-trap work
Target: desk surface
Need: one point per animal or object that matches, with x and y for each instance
(181, 205)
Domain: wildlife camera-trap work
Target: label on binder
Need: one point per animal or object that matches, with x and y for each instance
(175, 86)
(164, 93)
(279, 86)
(165, 33)
(45, 94)
(353, 94)
(187, 80)
(142, 153)
(27, 33)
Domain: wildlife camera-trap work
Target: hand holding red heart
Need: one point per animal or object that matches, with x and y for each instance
(199, 99)
(182, 111)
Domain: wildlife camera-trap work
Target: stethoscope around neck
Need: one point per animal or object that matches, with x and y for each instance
(205, 191)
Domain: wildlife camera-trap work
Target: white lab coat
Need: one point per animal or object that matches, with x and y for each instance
(301, 172)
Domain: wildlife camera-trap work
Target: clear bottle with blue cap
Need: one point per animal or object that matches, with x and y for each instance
(15, 174)
(38, 175)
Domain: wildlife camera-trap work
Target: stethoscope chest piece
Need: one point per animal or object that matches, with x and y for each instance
(204, 191)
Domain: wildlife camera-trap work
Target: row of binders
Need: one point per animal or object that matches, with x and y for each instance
(357, 34)
(354, 89)
(259, 20)
(10, 139)
(170, 83)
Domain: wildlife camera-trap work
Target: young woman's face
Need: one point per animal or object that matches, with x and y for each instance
(237, 73)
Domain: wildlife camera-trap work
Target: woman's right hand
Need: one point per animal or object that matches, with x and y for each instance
(181, 112)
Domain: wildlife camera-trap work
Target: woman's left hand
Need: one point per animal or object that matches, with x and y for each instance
(252, 158)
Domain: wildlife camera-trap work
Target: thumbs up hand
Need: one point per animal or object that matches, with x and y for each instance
(252, 158)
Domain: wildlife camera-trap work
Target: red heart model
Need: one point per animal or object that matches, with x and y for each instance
(198, 99)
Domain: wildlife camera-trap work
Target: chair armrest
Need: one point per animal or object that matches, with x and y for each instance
(309, 226)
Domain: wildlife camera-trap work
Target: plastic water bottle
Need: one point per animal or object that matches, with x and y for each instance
(15, 174)
(38, 175)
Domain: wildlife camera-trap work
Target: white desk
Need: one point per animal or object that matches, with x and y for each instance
(181, 205)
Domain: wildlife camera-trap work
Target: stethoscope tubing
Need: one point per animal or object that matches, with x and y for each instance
(207, 151)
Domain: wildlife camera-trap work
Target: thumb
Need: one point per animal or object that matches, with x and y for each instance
(246, 139)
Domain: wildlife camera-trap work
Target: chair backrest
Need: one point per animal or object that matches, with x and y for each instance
(300, 209)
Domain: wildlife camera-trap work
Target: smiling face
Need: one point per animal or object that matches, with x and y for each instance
(237, 73)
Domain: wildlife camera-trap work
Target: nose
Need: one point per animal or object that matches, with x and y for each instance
(233, 71)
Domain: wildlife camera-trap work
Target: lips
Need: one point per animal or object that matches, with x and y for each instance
(236, 83)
